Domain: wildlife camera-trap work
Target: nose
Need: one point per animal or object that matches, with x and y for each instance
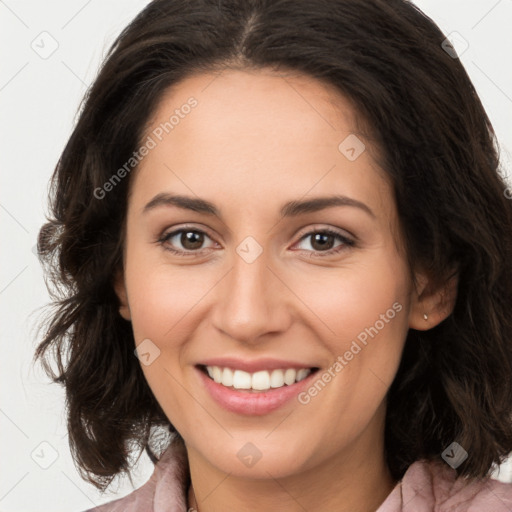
(252, 301)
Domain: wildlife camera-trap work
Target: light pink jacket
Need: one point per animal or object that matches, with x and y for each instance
(425, 487)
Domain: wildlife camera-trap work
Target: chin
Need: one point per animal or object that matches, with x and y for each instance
(256, 458)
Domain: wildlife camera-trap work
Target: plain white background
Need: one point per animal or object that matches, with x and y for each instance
(51, 53)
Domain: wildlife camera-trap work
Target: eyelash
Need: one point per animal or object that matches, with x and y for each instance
(346, 242)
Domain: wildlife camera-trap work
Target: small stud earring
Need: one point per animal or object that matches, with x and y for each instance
(425, 316)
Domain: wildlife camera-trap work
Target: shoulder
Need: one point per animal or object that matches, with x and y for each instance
(434, 485)
(165, 490)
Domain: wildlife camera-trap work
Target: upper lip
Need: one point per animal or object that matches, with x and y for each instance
(254, 365)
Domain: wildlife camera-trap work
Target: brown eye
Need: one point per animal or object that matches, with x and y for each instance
(322, 242)
(191, 240)
(183, 241)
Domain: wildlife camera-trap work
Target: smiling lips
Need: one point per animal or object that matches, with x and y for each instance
(254, 387)
(251, 401)
(262, 380)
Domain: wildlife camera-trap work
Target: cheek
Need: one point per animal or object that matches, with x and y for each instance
(165, 302)
(348, 301)
(162, 297)
(360, 315)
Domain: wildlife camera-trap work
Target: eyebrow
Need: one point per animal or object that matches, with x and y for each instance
(289, 209)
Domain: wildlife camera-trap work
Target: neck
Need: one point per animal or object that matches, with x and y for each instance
(292, 499)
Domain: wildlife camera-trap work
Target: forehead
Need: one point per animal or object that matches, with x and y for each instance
(258, 136)
(249, 109)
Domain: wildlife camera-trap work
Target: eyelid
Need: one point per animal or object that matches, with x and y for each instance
(173, 231)
(346, 238)
(347, 242)
(322, 227)
(185, 227)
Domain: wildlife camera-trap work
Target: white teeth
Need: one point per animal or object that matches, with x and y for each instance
(289, 376)
(217, 374)
(302, 374)
(259, 381)
(277, 379)
(227, 377)
(241, 380)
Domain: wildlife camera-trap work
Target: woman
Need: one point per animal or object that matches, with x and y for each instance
(285, 243)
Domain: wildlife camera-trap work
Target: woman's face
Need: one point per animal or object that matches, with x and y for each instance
(258, 288)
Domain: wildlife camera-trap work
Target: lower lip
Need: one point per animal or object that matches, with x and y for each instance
(253, 403)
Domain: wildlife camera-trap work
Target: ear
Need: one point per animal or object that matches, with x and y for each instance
(436, 300)
(120, 289)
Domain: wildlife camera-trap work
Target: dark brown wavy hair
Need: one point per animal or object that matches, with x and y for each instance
(437, 146)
